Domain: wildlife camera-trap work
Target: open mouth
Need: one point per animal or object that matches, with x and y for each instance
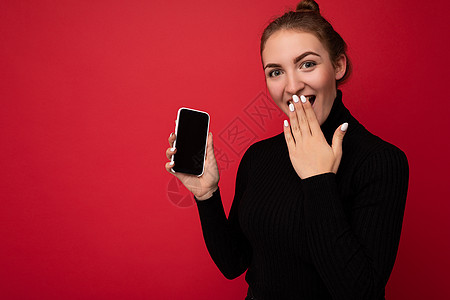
(311, 99)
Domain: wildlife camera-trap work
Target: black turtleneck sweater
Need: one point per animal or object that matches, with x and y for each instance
(330, 236)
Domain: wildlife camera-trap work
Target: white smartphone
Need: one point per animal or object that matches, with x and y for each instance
(191, 130)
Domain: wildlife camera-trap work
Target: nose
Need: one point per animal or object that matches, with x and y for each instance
(294, 83)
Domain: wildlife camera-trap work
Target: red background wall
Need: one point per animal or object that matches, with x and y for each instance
(89, 91)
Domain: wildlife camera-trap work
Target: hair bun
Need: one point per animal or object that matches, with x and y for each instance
(308, 5)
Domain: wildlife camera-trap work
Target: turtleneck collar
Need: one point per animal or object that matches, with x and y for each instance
(339, 114)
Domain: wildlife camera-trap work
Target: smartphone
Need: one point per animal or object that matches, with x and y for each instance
(191, 130)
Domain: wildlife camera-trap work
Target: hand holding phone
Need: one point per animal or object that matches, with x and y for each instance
(192, 154)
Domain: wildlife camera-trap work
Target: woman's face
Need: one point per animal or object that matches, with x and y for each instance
(296, 63)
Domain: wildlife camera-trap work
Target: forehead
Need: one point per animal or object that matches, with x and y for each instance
(288, 44)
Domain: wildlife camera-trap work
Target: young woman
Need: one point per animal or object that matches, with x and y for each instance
(318, 209)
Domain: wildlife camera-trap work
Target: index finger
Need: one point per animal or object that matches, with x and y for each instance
(171, 139)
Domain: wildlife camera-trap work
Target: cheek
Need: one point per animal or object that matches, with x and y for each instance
(275, 90)
(322, 80)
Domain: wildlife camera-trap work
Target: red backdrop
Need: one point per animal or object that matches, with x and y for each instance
(89, 91)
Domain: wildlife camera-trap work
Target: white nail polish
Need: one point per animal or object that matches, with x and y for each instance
(295, 98)
(286, 124)
(172, 149)
(291, 107)
(303, 98)
(171, 163)
(344, 127)
(170, 134)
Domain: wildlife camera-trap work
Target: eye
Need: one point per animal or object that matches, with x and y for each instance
(275, 73)
(308, 65)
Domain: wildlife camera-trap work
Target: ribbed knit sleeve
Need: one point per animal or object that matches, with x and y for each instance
(354, 253)
(226, 244)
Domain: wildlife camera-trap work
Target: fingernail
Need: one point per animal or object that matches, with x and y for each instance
(295, 98)
(344, 127)
(286, 124)
(170, 134)
(171, 163)
(291, 107)
(303, 98)
(172, 149)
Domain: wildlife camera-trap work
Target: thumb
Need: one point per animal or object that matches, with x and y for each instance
(210, 147)
(338, 137)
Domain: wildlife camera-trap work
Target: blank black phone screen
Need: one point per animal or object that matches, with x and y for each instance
(192, 132)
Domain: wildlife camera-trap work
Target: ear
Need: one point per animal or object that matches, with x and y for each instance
(340, 66)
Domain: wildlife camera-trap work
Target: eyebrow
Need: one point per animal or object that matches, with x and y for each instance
(296, 60)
